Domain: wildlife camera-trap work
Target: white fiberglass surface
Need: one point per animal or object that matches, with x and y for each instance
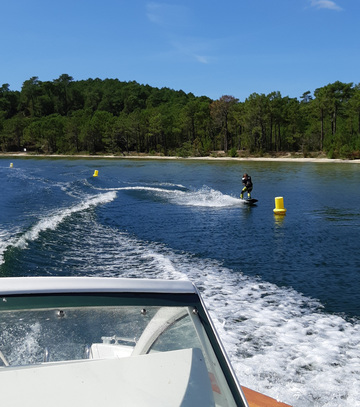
(38, 285)
(176, 378)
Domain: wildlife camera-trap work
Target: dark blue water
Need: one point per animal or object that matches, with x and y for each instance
(183, 219)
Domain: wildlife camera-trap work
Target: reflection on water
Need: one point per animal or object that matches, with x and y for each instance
(279, 220)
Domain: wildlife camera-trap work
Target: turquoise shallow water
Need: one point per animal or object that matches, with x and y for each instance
(281, 289)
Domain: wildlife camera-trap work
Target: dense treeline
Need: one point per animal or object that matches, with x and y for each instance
(109, 116)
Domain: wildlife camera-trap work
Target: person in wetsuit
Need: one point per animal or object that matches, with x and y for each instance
(248, 186)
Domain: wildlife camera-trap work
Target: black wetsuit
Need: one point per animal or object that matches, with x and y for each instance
(248, 185)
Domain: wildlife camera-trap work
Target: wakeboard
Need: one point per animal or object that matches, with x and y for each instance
(250, 201)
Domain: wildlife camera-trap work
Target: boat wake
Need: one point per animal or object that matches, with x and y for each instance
(204, 197)
(49, 221)
(280, 342)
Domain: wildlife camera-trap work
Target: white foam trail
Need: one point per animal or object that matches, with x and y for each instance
(5, 242)
(169, 184)
(163, 264)
(52, 220)
(204, 197)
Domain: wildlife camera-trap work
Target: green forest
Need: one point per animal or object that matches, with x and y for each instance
(108, 116)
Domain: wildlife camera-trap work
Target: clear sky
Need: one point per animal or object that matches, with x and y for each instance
(207, 47)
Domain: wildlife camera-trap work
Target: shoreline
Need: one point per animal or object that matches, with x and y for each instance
(152, 157)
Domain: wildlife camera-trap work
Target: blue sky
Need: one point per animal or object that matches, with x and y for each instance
(207, 47)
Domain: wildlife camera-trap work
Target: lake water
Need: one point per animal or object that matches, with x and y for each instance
(283, 290)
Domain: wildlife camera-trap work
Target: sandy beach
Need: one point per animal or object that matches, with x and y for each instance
(282, 158)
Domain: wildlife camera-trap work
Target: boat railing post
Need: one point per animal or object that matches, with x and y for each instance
(87, 352)
(46, 355)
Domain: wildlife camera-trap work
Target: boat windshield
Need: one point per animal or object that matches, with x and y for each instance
(52, 335)
(127, 333)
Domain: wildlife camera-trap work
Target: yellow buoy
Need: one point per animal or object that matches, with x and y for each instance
(279, 206)
(96, 173)
(11, 165)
